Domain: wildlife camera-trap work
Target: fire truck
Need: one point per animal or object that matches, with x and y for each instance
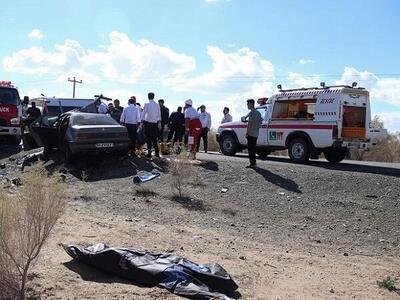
(10, 112)
(308, 122)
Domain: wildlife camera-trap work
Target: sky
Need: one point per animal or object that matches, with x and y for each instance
(215, 52)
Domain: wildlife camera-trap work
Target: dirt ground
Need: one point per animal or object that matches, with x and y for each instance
(282, 231)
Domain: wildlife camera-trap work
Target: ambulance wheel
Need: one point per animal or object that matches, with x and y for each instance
(228, 144)
(298, 150)
(335, 155)
(263, 153)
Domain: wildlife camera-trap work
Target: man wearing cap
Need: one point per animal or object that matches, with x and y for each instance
(152, 124)
(205, 119)
(193, 127)
(253, 128)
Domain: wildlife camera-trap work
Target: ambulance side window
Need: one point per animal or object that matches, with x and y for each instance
(294, 109)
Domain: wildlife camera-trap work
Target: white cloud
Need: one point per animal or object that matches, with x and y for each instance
(231, 73)
(391, 120)
(381, 89)
(297, 80)
(305, 61)
(36, 34)
(122, 60)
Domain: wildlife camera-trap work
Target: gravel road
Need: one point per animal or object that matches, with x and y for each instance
(288, 215)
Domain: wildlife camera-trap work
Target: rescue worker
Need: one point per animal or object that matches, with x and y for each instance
(130, 118)
(164, 120)
(176, 126)
(227, 117)
(252, 131)
(192, 126)
(152, 124)
(205, 119)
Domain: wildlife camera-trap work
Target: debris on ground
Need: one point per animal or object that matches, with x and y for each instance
(29, 159)
(138, 179)
(167, 270)
(224, 190)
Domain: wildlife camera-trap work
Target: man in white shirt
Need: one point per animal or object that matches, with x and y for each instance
(227, 117)
(103, 108)
(205, 119)
(130, 118)
(152, 122)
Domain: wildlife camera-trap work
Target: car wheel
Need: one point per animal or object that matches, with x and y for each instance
(299, 150)
(228, 144)
(335, 155)
(263, 153)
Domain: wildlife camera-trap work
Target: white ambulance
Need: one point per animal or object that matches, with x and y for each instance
(308, 122)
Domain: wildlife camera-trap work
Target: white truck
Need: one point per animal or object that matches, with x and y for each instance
(308, 122)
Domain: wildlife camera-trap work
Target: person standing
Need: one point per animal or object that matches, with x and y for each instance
(117, 106)
(253, 128)
(176, 126)
(152, 124)
(205, 119)
(130, 118)
(192, 126)
(227, 117)
(33, 112)
(164, 120)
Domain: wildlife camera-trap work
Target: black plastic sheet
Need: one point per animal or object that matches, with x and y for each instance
(175, 273)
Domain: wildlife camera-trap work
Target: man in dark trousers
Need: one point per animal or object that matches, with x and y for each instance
(176, 126)
(152, 124)
(253, 128)
(164, 119)
(131, 119)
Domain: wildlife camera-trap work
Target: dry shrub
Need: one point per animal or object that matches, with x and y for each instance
(26, 219)
(181, 170)
(387, 150)
(212, 141)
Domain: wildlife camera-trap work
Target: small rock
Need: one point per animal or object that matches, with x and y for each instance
(332, 291)
(2, 166)
(224, 190)
(381, 240)
(128, 220)
(196, 237)
(260, 226)
(281, 193)
(11, 158)
(233, 224)
(345, 254)
(242, 257)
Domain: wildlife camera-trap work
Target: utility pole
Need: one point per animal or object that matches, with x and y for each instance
(74, 81)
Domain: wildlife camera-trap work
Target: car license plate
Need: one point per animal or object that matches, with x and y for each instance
(104, 145)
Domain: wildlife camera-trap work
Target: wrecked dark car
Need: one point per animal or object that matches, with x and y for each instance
(76, 132)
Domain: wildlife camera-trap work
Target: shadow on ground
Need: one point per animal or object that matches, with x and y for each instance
(189, 203)
(278, 180)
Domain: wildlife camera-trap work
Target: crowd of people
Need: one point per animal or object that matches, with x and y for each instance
(154, 124)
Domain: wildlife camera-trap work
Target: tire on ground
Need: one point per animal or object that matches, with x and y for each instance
(299, 150)
(228, 144)
(335, 155)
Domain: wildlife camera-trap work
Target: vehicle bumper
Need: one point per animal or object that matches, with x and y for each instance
(353, 145)
(88, 147)
(10, 130)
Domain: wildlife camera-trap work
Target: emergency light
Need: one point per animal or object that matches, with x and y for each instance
(6, 83)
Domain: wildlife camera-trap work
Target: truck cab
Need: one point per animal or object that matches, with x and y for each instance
(10, 112)
(308, 122)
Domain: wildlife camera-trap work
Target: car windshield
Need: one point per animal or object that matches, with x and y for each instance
(92, 119)
(9, 96)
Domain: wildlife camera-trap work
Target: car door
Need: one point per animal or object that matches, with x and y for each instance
(262, 136)
(48, 132)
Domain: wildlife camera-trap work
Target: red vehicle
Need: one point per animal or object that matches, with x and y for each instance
(10, 112)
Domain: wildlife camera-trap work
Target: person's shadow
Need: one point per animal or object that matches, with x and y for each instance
(280, 181)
